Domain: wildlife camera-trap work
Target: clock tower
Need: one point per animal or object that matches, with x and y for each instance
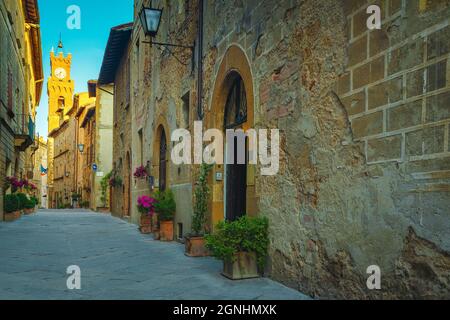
(60, 89)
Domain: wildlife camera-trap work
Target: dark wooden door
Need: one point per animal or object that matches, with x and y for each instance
(236, 187)
(163, 162)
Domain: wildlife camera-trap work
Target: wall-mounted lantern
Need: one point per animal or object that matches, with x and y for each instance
(150, 20)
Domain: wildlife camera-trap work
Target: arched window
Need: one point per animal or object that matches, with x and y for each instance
(236, 106)
(61, 103)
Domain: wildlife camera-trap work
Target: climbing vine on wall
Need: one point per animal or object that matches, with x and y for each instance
(104, 184)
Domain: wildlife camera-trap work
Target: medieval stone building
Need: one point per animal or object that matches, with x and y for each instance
(364, 128)
(116, 70)
(21, 80)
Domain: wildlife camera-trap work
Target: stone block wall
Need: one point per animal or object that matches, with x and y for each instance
(122, 152)
(160, 83)
(396, 88)
(12, 70)
(364, 136)
(363, 119)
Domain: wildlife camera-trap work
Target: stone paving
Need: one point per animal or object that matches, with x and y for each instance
(116, 261)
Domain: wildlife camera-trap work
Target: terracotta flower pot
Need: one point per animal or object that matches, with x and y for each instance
(195, 247)
(244, 267)
(145, 226)
(12, 216)
(28, 211)
(166, 230)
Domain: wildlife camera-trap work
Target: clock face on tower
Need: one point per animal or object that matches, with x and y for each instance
(60, 73)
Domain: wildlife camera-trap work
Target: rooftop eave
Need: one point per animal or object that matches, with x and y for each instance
(117, 42)
(89, 114)
(31, 11)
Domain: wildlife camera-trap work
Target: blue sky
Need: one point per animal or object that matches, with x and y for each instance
(86, 45)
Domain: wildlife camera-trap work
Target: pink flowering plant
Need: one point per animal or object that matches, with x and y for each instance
(14, 183)
(146, 205)
(140, 173)
(29, 186)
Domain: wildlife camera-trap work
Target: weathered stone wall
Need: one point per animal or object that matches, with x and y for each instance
(122, 137)
(12, 53)
(364, 168)
(103, 144)
(159, 84)
(364, 160)
(65, 149)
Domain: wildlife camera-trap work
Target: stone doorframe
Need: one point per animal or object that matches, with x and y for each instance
(234, 61)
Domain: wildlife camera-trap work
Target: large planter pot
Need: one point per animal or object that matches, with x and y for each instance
(12, 216)
(27, 212)
(145, 226)
(166, 230)
(195, 247)
(244, 267)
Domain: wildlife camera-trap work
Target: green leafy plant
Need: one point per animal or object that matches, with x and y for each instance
(201, 196)
(11, 203)
(75, 196)
(118, 181)
(23, 200)
(35, 200)
(165, 205)
(244, 235)
(104, 184)
(29, 204)
(115, 182)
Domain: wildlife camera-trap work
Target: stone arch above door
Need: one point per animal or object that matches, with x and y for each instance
(234, 61)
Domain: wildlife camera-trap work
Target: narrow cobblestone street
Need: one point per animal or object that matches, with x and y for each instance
(116, 262)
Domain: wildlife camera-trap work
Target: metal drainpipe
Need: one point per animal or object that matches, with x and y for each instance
(200, 61)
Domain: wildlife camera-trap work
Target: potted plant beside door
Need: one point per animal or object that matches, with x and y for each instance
(195, 245)
(11, 207)
(28, 207)
(241, 245)
(165, 208)
(146, 208)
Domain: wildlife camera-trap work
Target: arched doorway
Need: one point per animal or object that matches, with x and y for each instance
(233, 91)
(162, 160)
(236, 169)
(160, 156)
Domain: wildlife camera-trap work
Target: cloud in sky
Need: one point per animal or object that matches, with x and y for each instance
(86, 45)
